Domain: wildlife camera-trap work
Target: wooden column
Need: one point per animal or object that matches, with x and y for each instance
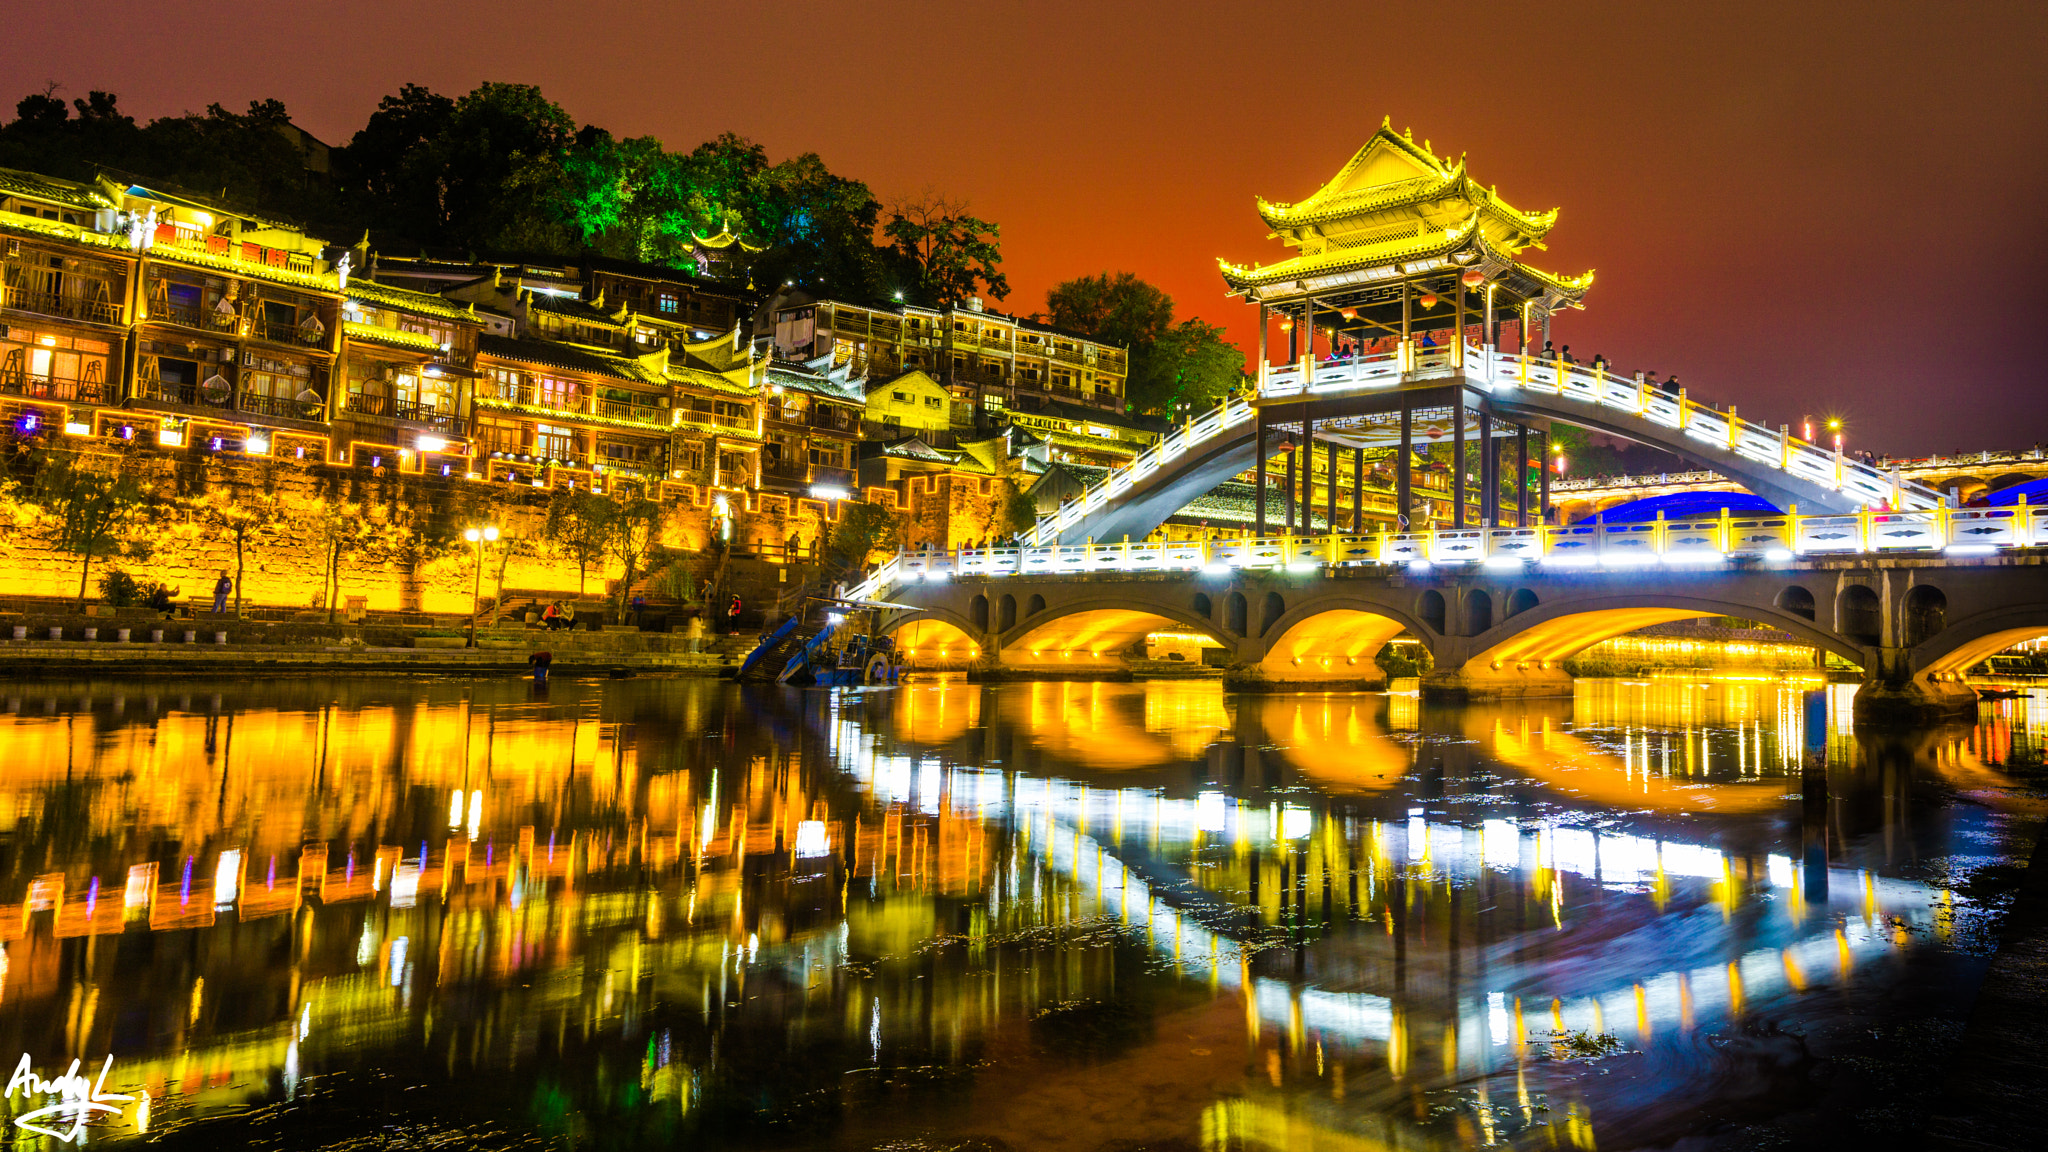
(1521, 476)
(1357, 490)
(1458, 459)
(1306, 501)
(1403, 492)
(1330, 486)
(1287, 493)
(1543, 505)
(1259, 455)
(1489, 462)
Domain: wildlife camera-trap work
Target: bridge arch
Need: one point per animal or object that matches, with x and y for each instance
(1333, 639)
(1548, 634)
(934, 634)
(1967, 642)
(1093, 632)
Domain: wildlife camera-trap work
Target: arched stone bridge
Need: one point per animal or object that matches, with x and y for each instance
(1912, 624)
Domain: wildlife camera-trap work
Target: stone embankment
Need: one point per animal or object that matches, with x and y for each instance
(144, 644)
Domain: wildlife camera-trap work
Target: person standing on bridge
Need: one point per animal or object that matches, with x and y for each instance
(1549, 353)
(1671, 385)
(1565, 354)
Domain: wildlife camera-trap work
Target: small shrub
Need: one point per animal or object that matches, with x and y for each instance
(120, 589)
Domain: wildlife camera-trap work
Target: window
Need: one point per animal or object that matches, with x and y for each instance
(934, 402)
(892, 421)
(900, 397)
(279, 379)
(556, 392)
(554, 443)
(828, 453)
(732, 466)
(668, 302)
(691, 458)
(626, 452)
(500, 436)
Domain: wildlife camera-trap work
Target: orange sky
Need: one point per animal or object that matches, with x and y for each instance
(1799, 207)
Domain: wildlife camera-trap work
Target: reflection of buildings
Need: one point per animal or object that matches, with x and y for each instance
(233, 889)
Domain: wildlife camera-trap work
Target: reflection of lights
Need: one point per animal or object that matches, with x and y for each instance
(1211, 811)
(1296, 822)
(1778, 554)
(810, 839)
(141, 885)
(405, 886)
(398, 948)
(366, 948)
(455, 809)
(227, 878)
(476, 811)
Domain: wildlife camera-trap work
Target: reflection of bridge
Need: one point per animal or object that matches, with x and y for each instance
(1393, 314)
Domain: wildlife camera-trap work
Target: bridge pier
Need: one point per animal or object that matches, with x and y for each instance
(1893, 695)
(1474, 681)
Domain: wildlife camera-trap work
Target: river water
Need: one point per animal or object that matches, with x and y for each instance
(383, 912)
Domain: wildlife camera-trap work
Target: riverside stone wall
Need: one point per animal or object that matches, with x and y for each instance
(285, 546)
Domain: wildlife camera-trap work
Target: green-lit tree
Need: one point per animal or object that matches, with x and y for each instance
(97, 509)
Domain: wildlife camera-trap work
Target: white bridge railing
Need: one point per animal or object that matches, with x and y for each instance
(1503, 374)
(1678, 543)
(1921, 525)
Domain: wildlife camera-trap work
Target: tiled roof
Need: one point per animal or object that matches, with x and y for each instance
(406, 300)
(817, 385)
(391, 337)
(568, 357)
(15, 182)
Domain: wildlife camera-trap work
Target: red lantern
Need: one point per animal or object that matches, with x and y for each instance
(1429, 300)
(1286, 325)
(1349, 313)
(1473, 278)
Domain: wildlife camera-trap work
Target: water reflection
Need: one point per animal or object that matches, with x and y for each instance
(1039, 915)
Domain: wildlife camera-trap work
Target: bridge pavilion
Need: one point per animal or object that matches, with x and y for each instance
(1405, 257)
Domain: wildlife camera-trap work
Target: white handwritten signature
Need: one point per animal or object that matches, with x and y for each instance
(78, 1099)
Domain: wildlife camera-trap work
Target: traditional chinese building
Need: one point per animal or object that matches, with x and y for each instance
(1404, 255)
(987, 361)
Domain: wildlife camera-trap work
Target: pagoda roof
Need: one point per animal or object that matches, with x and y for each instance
(1392, 172)
(1396, 210)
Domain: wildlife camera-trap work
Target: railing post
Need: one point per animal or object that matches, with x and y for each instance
(1838, 468)
(1734, 428)
(1659, 534)
(1785, 447)
(1684, 410)
(1864, 529)
(1727, 532)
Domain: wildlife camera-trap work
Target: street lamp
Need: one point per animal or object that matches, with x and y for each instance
(478, 536)
(1835, 426)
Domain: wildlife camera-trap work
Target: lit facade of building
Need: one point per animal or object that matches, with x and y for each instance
(985, 360)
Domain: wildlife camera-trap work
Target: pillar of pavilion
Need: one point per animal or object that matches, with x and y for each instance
(1405, 268)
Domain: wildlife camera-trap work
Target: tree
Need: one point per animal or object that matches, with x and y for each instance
(1171, 364)
(581, 524)
(238, 517)
(391, 166)
(636, 533)
(1113, 307)
(343, 531)
(1020, 512)
(1192, 365)
(97, 509)
(949, 252)
(862, 530)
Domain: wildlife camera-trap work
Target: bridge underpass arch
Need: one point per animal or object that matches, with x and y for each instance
(1092, 635)
(1333, 642)
(1964, 644)
(1524, 654)
(934, 635)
